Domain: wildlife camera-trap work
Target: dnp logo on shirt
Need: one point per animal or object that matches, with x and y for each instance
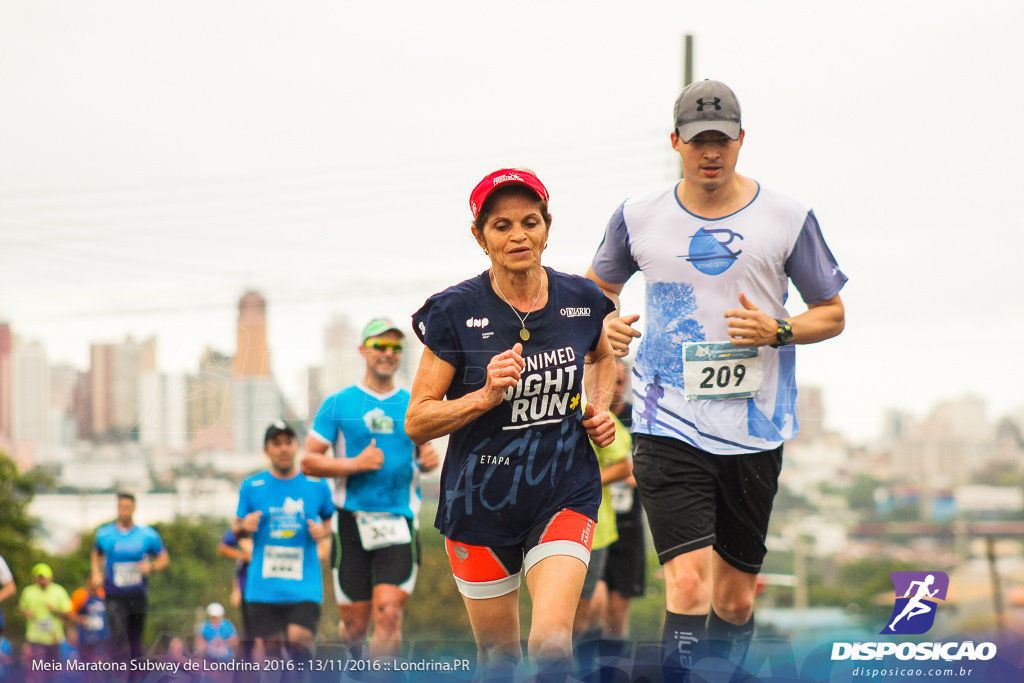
(914, 612)
(711, 255)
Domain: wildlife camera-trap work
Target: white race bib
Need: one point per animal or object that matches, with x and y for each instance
(93, 622)
(45, 625)
(622, 497)
(382, 529)
(719, 370)
(282, 562)
(127, 574)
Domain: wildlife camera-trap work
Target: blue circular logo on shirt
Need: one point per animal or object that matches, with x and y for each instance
(709, 254)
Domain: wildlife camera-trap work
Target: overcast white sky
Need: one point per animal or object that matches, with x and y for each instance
(157, 159)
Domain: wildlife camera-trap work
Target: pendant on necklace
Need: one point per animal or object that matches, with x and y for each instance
(524, 334)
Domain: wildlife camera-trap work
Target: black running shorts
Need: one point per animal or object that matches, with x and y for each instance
(695, 499)
(357, 571)
(267, 619)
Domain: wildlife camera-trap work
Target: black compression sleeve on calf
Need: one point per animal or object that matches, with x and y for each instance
(727, 640)
(682, 643)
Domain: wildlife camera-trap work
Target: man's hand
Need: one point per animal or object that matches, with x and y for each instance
(145, 566)
(750, 326)
(251, 523)
(317, 530)
(370, 459)
(427, 458)
(621, 333)
(600, 426)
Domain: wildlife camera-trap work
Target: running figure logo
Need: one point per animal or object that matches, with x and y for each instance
(914, 612)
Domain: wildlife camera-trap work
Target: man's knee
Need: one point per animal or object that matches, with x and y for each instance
(354, 625)
(688, 585)
(735, 606)
(507, 655)
(387, 615)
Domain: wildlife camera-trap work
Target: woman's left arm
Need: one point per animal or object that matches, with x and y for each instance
(599, 380)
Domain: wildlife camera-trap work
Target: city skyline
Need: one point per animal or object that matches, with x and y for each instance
(224, 401)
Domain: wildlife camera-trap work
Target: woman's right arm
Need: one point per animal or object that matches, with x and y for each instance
(430, 416)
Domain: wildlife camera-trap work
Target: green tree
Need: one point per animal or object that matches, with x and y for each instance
(16, 531)
(861, 494)
(860, 583)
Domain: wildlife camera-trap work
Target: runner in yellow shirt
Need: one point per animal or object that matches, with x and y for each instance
(45, 606)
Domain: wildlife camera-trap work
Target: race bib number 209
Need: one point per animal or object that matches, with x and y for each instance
(719, 370)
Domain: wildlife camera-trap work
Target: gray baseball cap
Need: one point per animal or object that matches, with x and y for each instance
(707, 105)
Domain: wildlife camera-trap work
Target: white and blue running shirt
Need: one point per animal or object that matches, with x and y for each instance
(694, 269)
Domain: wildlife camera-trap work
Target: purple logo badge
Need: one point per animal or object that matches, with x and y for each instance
(917, 594)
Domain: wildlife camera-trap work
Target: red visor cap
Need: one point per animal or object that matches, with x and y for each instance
(504, 176)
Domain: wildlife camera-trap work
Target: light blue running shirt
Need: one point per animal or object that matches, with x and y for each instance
(285, 568)
(348, 421)
(123, 551)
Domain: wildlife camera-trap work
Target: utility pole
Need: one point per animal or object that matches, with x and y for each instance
(997, 587)
(687, 71)
(687, 59)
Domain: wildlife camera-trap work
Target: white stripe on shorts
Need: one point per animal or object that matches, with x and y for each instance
(481, 590)
(551, 548)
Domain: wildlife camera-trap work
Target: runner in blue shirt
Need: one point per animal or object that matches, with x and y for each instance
(90, 613)
(6, 659)
(216, 637)
(286, 514)
(123, 558)
(376, 469)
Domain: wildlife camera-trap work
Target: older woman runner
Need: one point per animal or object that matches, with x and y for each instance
(508, 349)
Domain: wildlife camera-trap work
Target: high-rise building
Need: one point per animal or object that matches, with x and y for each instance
(257, 402)
(31, 411)
(256, 398)
(810, 411)
(64, 382)
(342, 366)
(81, 406)
(314, 392)
(162, 410)
(208, 404)
(252, 359)
(115, 374)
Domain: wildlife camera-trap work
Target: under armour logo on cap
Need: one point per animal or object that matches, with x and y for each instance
(704, 106)
(701, 104)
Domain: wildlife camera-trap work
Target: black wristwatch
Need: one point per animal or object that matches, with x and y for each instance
(783, 335)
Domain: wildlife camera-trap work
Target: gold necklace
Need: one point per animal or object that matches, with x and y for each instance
(524, 333)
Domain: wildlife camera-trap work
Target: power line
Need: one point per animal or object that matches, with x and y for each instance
(361, 290)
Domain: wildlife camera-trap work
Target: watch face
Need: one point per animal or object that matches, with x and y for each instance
(785, 333)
